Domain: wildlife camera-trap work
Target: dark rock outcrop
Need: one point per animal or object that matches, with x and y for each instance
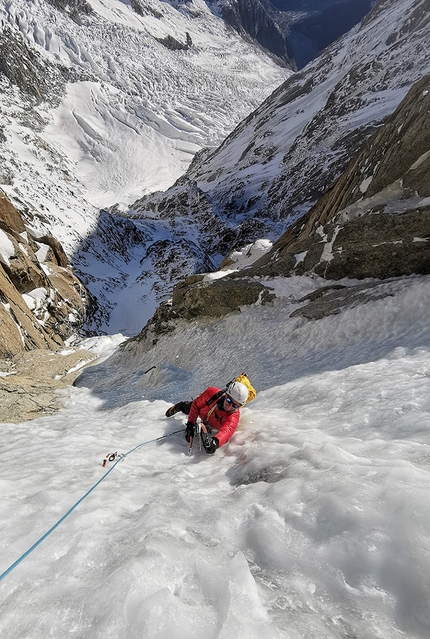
(37, 79)
(75, 8)
(333, 299)
(374, 221)
(258, 19)
(199, 298)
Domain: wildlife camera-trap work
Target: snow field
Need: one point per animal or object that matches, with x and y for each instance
(134, 123)
(312, 522)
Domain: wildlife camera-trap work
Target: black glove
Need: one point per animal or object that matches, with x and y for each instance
(210, 444)
(189, 431)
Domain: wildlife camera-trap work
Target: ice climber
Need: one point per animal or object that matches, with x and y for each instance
(218, 409)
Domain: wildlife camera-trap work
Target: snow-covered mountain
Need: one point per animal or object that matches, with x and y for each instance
(283, 157)
(371, 227)
(114, 101)
(293, 30)
(104, 101)
(278, 161)
(99, 103)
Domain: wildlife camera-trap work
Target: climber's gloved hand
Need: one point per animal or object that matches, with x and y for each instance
(210, 444)
(189, 431)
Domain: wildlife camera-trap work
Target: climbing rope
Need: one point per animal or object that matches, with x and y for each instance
(118, 459)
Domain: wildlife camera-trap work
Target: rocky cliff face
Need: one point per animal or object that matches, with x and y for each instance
(36, 78)
(259, 20)
(282, 158)
(374, 221)
(199, 298)
(295, 32)
(42, 302)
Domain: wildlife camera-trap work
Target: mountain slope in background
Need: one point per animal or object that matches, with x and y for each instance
(374, 223)
(294, 31)
(282, 157)
(375, 219)
(99, 101)
(104, 101)
(265, 174)
(279, 160)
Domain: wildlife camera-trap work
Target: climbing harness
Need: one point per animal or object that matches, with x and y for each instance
(109, 457)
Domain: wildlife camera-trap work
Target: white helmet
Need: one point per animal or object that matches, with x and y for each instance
(238, 392)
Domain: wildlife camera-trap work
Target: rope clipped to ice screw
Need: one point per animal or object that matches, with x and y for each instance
(109, 457)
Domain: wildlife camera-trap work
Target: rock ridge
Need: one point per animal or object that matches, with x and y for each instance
(42, 302)
(374, 221)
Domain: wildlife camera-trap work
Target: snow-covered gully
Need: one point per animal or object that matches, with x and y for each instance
(313, 521)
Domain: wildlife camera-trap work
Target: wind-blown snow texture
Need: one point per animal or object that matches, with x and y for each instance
(311, 522)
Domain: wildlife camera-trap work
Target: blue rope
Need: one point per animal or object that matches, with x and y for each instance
(39, 541)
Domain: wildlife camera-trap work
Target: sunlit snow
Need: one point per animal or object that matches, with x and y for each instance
(313, 521)
(134, 112)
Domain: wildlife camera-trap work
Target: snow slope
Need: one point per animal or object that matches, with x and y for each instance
(134, 112)
(278, 162)
(311, 522)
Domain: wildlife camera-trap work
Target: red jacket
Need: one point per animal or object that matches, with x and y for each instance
(222, 421)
